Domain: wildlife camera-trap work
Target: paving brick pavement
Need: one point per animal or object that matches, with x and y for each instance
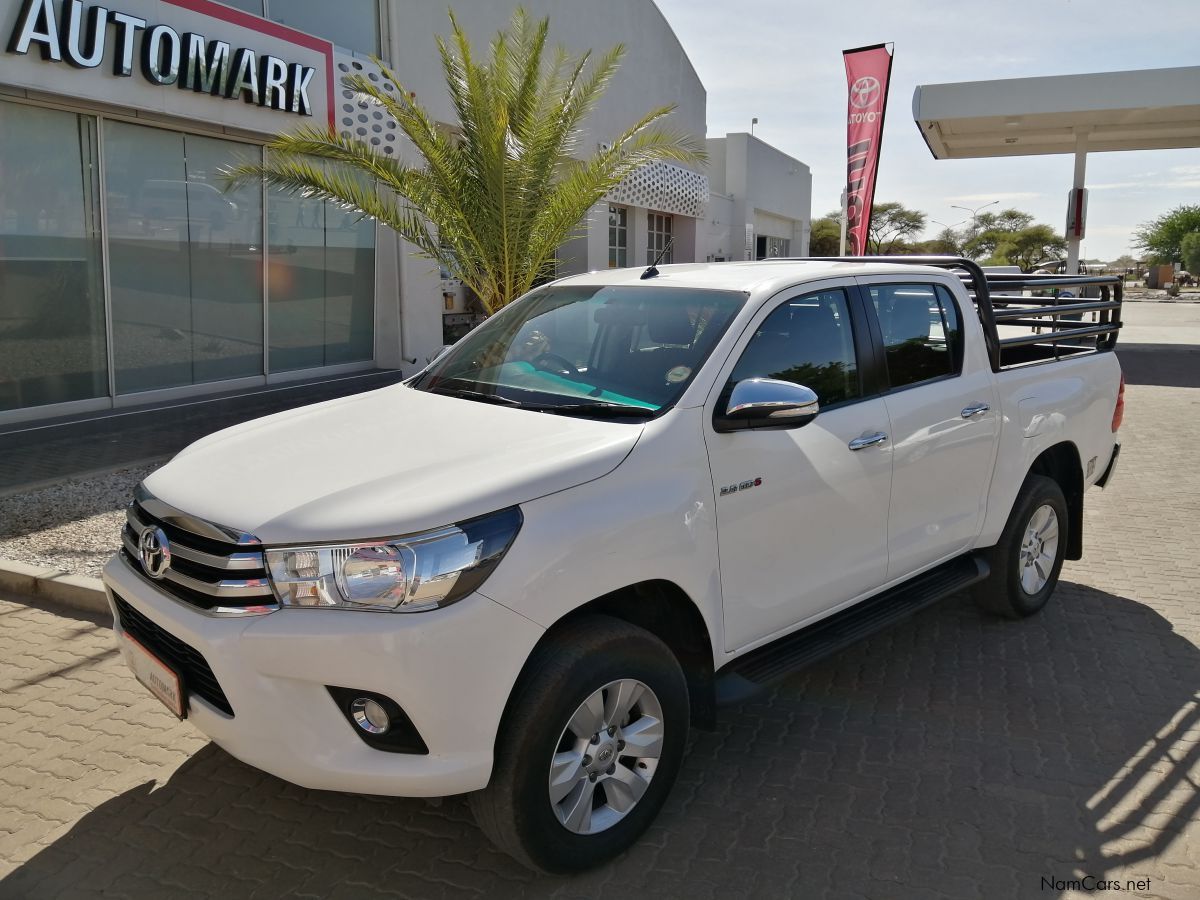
(954, 756)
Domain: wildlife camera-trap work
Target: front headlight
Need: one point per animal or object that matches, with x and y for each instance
(406, 574)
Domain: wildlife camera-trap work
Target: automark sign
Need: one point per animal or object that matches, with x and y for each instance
(126, 56)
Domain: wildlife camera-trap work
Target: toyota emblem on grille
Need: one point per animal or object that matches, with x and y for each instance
(155, 551)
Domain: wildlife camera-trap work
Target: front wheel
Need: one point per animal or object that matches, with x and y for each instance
(589, 749)
(1026, 562)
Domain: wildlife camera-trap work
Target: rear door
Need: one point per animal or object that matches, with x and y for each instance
(801, 516)
(944, 415)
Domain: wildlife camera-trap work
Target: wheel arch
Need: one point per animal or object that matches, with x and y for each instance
(665, 610)
(1061, 463)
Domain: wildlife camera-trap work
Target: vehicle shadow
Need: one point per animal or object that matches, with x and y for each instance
(954, 755)
(1166, 365)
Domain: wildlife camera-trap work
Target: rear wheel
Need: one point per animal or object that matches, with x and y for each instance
(1027, 559)
(590, 747)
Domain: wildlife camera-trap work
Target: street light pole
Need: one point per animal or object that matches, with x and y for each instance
(974, 212)
(950, 228)
(753, 122)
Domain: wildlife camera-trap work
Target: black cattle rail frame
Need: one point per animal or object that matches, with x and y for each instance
(1058, 328)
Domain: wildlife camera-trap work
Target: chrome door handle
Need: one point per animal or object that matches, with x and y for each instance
(869, 440)
(975, 409)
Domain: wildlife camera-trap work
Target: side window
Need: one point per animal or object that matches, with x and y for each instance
(921, 334)
(807, 340)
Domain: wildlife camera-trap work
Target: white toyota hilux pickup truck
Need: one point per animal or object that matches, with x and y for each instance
(629, 497)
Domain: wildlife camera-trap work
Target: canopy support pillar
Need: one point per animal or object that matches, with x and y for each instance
(1081, 139)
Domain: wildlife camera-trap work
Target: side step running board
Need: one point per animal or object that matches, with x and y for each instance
(758, 669)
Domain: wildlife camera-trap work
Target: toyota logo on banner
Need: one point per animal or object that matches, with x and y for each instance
(864, 92)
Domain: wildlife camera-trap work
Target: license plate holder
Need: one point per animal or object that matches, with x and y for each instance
(161, 679)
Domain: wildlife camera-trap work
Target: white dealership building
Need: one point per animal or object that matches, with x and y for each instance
(127, 275)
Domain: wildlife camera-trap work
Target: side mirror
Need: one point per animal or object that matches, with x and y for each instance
(767, 403)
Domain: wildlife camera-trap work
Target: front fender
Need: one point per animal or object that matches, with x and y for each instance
(651, 518)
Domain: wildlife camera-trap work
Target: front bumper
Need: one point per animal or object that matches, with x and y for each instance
(450, 670)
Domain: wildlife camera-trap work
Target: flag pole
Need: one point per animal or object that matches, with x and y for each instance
(842, 237)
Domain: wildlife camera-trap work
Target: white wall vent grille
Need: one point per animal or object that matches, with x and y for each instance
(359, 117)
(666, 188)
(659, 186)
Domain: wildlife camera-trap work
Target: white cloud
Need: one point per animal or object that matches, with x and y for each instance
(1002, 196)
(1138, 187)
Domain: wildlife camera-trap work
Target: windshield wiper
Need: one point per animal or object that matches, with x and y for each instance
(479, 396)
(601, 410)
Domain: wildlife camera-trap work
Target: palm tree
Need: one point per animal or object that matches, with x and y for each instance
(494, 197)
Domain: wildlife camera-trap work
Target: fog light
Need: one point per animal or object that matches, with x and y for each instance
(378, 720)
(369, 715)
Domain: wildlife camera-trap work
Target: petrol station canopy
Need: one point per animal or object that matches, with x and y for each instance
(1148, 109)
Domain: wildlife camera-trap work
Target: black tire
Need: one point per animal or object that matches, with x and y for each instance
(575, 661)
(1003, 593)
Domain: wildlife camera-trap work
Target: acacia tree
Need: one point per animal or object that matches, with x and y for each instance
(891, 225)
(1010, 237)
(824, 238)
(1004, 220)
(945, 244)
(1027, 247)
(1163, 237)
(989, 229)
(492, 199)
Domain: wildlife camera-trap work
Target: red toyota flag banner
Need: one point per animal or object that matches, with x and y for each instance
(868, 71)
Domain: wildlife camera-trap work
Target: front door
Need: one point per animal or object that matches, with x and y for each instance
(801, 517)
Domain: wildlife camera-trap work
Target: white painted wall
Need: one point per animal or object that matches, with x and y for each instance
(757, 185)
(656, 71)
(717, 239)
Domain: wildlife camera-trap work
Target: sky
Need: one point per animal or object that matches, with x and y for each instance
(782, 62)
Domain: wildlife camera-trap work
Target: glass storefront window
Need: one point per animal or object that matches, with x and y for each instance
(352, 24)
(52, 338)
(618, 237)
(658, 238)
(185, 260)
(187, 263)
(250, 6)
(321, 284)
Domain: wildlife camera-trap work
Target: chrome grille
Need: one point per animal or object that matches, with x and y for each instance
(215, 569)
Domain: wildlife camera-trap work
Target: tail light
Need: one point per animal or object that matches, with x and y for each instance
(1119, 409)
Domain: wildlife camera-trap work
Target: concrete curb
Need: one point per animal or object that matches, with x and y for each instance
(53, 585)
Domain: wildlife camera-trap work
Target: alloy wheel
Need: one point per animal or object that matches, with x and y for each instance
(1039, 549)
(606, 756)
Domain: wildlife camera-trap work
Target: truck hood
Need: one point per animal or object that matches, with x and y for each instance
(384, 463)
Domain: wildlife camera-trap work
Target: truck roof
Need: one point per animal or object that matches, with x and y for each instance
(1055, 329)
(747, 276)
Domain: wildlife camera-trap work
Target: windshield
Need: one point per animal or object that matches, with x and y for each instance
(589, 350)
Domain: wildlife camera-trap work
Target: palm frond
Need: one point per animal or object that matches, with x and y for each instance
(492, 197)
